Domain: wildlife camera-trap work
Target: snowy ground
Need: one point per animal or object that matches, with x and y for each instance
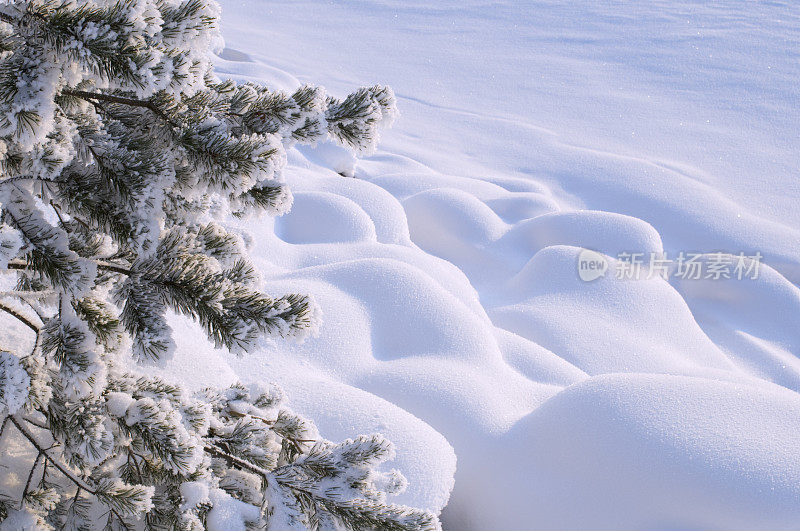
(455, 319)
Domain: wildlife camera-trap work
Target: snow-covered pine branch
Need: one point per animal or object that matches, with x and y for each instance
(116, 139)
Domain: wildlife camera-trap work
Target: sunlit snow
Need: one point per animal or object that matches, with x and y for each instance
(520, 396)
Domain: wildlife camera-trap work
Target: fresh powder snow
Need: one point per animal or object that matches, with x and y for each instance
(520, 395)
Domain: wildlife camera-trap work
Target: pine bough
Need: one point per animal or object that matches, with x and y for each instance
(121, 155)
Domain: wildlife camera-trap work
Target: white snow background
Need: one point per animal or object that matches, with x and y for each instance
(454, 318)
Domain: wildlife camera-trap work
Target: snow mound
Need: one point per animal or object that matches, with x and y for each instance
(607, 325)
(686, 449)
(336, 219)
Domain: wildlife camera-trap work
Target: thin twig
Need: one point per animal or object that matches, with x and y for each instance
(79, 220)
(113, 267)
(69, 475)
(19, 317)
(32, 307)
(44, 474)
(241, 463)
(121, 521)
(233, 460)
(295, 442)
(57, 211)
(3, 426)
(35, 423)
(116, 268)
(99, 96)
(132, 458)
(23, 296)
(30, 477)
(10, 180)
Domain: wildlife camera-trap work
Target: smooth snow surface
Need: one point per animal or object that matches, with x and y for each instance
(454, 318)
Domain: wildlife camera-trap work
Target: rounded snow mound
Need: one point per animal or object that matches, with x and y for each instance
(645, 451)
(319, 217)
